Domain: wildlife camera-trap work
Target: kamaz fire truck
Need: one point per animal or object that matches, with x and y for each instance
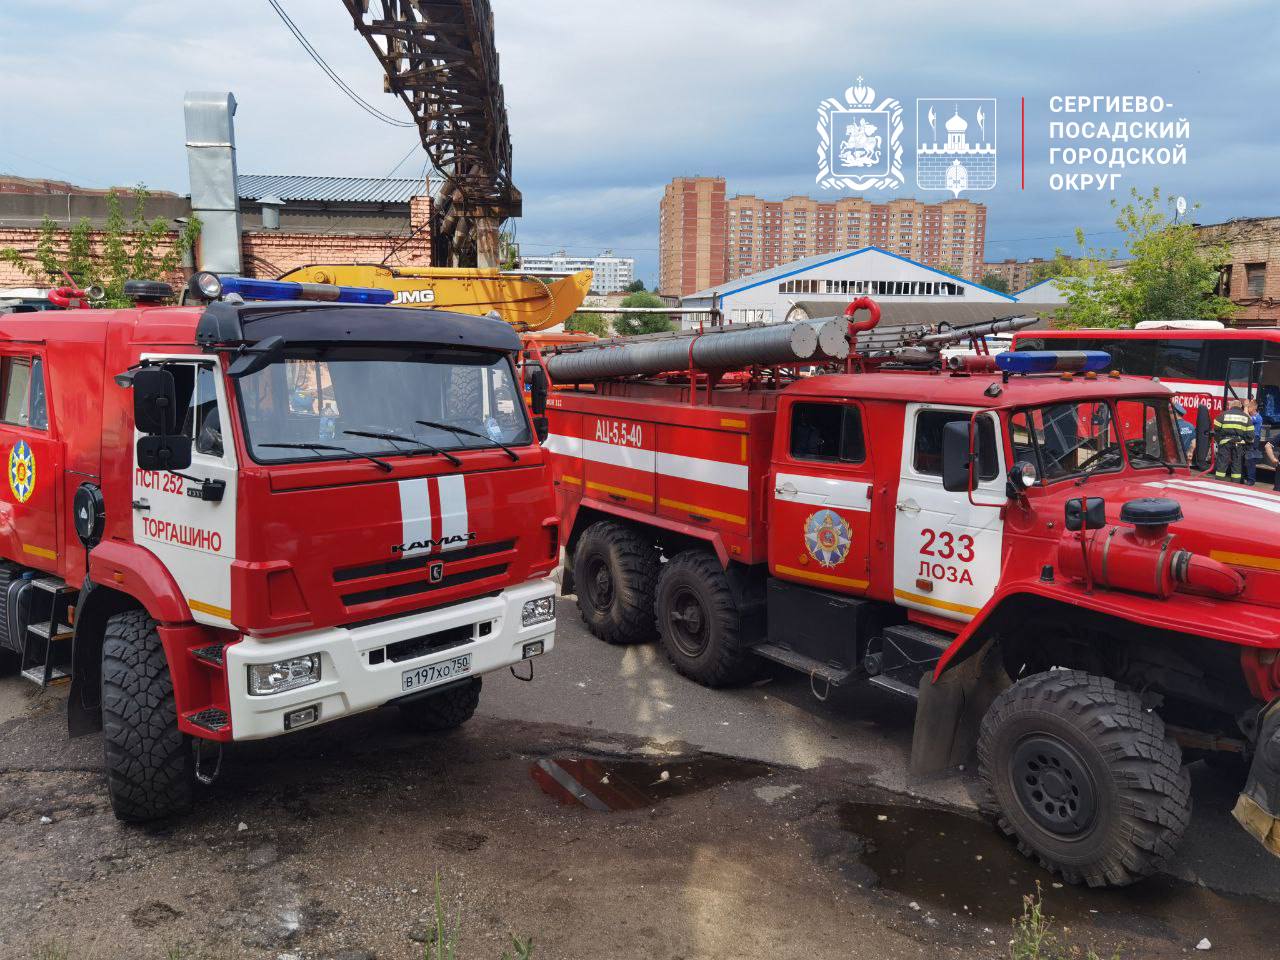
(1015, 540)
(235, 520)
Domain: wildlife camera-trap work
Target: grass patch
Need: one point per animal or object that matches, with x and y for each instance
(1034, 937)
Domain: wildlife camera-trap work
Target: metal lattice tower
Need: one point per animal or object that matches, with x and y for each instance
(439, 58)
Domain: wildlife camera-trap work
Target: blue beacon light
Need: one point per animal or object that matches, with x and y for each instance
(1053, 361)
(211, 287)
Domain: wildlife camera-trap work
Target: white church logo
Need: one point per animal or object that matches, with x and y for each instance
(956, 144)
(860, 141)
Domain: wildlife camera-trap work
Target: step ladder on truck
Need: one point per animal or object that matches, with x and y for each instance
(1014, 540)
(279, 507)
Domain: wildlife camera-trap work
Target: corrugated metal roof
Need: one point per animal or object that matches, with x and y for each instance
(255, 186)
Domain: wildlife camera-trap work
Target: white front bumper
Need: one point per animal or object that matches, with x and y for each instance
(349, 683)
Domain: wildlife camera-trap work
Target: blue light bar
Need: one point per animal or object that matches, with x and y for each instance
(287, 290)
(1053, 361)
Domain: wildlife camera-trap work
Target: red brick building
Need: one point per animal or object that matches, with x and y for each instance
(321, 219)
(1251, 276)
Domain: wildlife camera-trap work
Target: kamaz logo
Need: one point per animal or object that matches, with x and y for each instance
(415, 296)
(443, 543)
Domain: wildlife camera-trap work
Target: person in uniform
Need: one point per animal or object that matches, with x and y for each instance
(1253, 451)
(1271, 449)
(1232, 432)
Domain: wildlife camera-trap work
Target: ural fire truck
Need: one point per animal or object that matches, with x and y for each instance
(1015, 540)
(231, 521)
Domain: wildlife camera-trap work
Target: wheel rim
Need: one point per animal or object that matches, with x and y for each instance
(688, 623)
(1054, 786)
(599, 583)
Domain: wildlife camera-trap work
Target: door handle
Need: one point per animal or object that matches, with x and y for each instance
(786, 489)
(141, 504)
(908, 507)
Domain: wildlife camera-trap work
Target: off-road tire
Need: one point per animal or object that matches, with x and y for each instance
(446, 710)
(150, 769)
(1140, 793)
(693, 587)
(625, 612)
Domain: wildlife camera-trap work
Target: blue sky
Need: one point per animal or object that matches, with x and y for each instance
(608, 101)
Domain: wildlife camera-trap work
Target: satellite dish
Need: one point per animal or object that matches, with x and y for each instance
(1180, 204)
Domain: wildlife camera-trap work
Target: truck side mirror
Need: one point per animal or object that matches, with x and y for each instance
(1085, 513)
(155, 401)
(538, 390)
(167, 452)
(956, 474)
(541, 428)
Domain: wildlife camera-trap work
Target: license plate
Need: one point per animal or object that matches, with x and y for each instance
(433, 673)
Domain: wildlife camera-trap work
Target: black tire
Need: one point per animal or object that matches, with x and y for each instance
(699, 622)
(10, 660)
(615, 572)
(446, 710)
(1083, 778)
(150, 769)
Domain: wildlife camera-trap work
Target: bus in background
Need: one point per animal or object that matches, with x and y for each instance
(1201, 361)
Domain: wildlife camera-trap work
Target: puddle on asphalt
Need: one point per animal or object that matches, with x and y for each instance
(606, 784)
(953, 864)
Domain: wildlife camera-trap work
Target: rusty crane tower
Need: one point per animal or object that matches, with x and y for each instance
(439, 58)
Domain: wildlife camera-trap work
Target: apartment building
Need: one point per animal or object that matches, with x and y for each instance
(609, 274)
(691, 235)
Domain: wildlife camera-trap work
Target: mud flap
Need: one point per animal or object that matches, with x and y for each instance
(949, 711)
(1258, 807)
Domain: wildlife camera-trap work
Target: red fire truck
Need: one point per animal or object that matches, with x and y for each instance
(1015, 540)
(230, 521)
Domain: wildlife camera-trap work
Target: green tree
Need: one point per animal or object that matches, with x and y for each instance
(588, 321)
(1168, 276)
(994, 281)
(635, 286)
(634, 324)
(126, 248)
(1046, 270)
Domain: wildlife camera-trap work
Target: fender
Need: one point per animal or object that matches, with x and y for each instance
(711, 537)
(137, 571)
(1248, 626)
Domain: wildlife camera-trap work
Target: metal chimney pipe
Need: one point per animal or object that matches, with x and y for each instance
(211, 162)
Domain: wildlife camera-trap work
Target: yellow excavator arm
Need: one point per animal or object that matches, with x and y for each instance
(526, 302)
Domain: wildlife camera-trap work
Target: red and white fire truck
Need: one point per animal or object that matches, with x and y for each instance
(1016, 540)
(230, 521)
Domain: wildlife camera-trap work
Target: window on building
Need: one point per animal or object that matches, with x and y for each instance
(831, 432)
(1255, 279)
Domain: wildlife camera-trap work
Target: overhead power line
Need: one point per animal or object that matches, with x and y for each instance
(332, 74)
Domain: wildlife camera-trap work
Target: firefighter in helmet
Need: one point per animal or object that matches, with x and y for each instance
(1233, 434)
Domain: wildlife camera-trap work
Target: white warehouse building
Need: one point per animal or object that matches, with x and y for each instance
(823, 285)
(609, 274)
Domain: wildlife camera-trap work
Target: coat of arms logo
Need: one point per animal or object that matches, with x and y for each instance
(859, 141)
(827, 537)
(956, 144)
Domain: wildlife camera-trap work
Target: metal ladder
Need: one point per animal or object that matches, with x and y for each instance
(46, 653)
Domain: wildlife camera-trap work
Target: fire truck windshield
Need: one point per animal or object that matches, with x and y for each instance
(350, 394)
(1065, 440)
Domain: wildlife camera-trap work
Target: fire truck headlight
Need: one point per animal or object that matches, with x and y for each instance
(205, 284)
(538, 611)
(282, 675)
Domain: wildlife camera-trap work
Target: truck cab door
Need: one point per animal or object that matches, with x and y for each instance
(820, 486)
(946, 547)
(31, 497)
(189, 521)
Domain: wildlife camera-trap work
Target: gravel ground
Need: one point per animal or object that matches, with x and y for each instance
(747, 823)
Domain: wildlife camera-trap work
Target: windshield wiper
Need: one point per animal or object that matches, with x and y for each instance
(1151, 458)
(469, 433)
(401, 438)
(380, 464)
